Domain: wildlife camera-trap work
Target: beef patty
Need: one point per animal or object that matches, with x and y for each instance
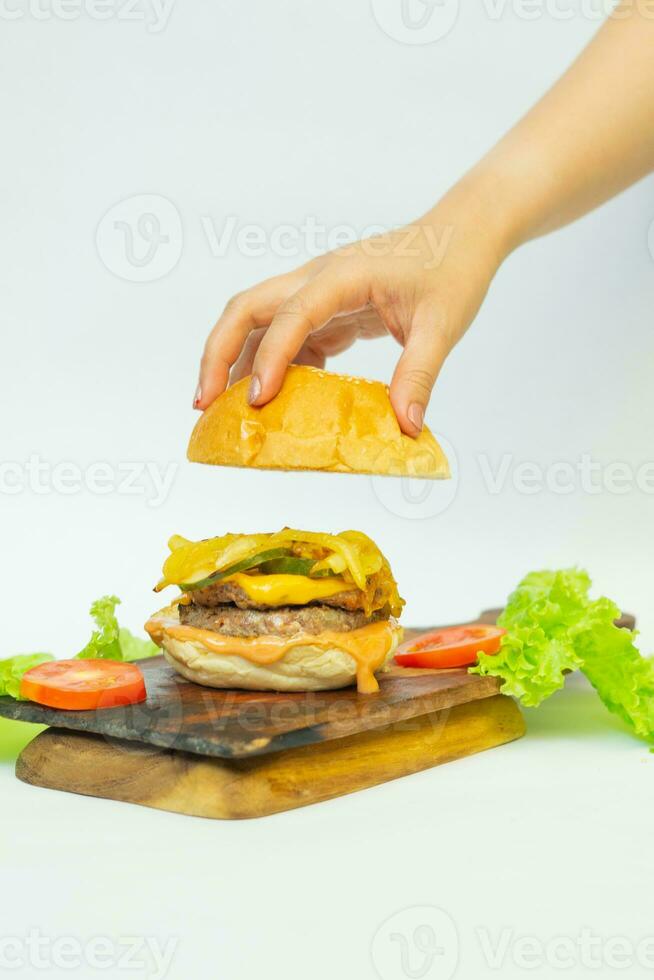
(275, 620)
(222, 592)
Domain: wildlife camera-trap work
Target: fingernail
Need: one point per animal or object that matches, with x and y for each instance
(198, 397)
(416, 414)
(254, 390)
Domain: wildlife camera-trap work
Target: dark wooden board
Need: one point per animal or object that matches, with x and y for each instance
(232, 724)
(237, 724)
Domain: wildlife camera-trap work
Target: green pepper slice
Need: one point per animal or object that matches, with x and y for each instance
(240, 566)
(287, 566)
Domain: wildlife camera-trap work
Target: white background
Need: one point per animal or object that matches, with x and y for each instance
(272, 112)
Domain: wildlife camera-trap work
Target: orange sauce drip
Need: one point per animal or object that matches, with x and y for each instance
(367, 646)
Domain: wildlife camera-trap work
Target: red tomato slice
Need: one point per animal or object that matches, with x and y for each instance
(83, 685)
(455, 646)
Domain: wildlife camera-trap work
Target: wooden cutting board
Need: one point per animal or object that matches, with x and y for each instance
(238, 754)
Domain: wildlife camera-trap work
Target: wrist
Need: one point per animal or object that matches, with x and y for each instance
(485, 202)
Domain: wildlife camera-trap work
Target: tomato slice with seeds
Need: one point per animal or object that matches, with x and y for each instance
(83, 685)
(454, 646)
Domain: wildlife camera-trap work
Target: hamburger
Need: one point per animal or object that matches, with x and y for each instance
(317, 421)
(289, 611)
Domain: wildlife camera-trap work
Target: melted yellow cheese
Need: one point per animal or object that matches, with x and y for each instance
(368, 646)
(288, 590)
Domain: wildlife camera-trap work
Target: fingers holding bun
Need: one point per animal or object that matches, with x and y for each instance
(318, 421)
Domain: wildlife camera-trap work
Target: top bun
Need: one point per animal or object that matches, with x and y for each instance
(318, 421)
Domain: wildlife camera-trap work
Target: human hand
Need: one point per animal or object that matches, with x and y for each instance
(422, 284)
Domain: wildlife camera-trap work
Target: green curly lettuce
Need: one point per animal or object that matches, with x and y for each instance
(553, 627)
(110, 641)
(612, 663)
(105, 640)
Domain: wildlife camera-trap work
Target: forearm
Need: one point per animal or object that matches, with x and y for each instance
(589, 138)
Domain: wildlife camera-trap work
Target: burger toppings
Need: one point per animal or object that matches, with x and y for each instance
(315, 567)
(258, 596)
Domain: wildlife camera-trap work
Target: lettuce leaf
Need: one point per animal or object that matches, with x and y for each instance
(110, 641)
(612, 663)
(105, 641)
(12, 670)
(136, 647)
(553, 627)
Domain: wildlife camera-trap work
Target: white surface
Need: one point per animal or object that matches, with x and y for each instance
(272, 113)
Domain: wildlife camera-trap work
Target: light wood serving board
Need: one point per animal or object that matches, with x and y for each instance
(261, 785)
(237, 754)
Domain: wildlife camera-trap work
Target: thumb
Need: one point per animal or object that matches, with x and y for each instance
(415, 375)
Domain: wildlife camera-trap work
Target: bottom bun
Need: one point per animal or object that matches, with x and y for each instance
(302, 668)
